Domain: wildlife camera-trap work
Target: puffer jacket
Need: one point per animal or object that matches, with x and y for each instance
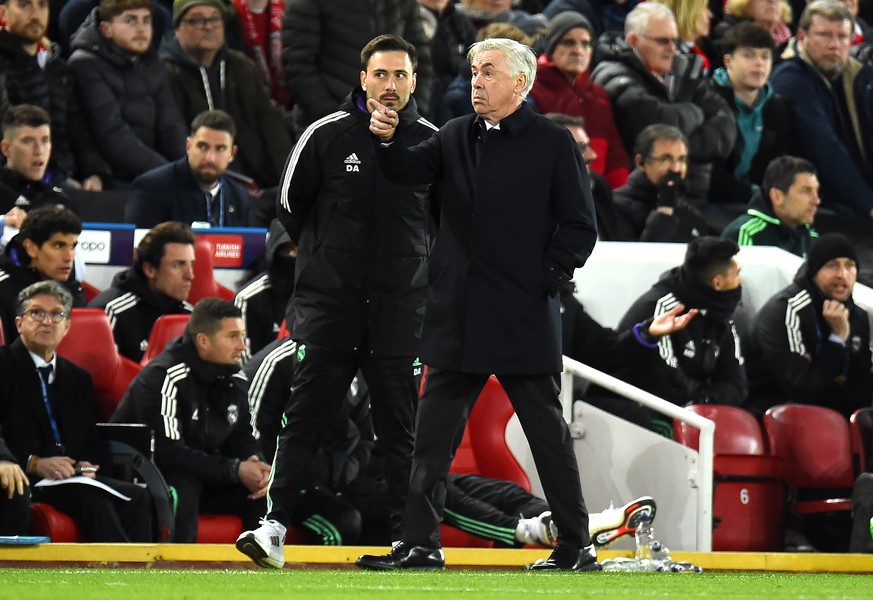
(127, 103)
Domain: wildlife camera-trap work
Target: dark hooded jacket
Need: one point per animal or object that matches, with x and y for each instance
(127, 103)
(638, 202)
(198, 411)
(792, 359)
(363, 241)
(264, 300)
(702, 363)
(232, 84)
(133, 308)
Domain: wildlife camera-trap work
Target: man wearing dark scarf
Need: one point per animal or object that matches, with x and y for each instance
(810, 343)
(702, 363)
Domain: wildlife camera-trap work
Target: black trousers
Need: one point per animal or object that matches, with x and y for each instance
(193, 498)
(448, 398)
(101, 516)
(321, 380)
(15, 513)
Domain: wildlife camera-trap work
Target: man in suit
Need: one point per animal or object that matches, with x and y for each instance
(194, 189)
(516, 219)
(47, 421)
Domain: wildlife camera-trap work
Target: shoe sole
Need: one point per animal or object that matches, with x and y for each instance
(590, 567)
(248, 546)
(633, 513)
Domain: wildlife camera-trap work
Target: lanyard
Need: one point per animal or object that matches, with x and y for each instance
(208, 198)
(48, 409)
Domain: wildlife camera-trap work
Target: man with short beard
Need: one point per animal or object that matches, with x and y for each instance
(810, 343)
(193, 189)
(832, 109)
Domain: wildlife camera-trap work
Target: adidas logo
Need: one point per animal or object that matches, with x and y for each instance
(352, 161)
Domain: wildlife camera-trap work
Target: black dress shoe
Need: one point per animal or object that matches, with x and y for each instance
(567, 558)
(404, 556)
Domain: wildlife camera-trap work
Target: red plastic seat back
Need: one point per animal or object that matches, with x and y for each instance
(736, 430)
(89, 344)
(166, 328)
(487, 425)
(861, 430)
(91, 292)
(204, 284)
(815, 443)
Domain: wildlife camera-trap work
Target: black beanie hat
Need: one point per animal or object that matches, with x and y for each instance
(560, 24)
(827, 248)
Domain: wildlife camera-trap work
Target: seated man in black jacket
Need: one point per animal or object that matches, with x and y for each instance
(194, 397)
(157, 284)
(702, 363)
(810, 343)
(44, 248)
(654, 200)
(14, 494)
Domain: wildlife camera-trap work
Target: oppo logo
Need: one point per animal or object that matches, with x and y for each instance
(92, 246)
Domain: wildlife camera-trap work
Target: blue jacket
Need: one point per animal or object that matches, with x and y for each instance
(169, 193)
(821, 130)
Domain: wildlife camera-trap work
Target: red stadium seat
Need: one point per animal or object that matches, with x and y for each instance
(815, 443)
(166, 328)
(861, 430)
(748, 495)
(89, 344)
(47, 520)
(204, 284)
(484, 451)
(91, 292)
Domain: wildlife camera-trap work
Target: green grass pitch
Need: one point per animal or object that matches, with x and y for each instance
(318, 584)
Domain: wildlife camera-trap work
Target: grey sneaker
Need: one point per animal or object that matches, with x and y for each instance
(264, 545)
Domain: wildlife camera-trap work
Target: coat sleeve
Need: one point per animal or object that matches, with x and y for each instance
(714, 138)
(635, 107)
(116, 141)
(301, 35)
(416, 165)
(413, 32)
(298, 188)
(171, 130)
(576, 234)
(144, 208)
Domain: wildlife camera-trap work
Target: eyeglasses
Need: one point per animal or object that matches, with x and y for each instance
(39, 315)
(668, 159)
(583, 147)
(584, 44)
(203, 22)
(661, 41)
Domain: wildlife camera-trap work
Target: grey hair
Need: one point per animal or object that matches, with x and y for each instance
(519, 58)
(638, 19)
(45, 288)
(830, 10)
